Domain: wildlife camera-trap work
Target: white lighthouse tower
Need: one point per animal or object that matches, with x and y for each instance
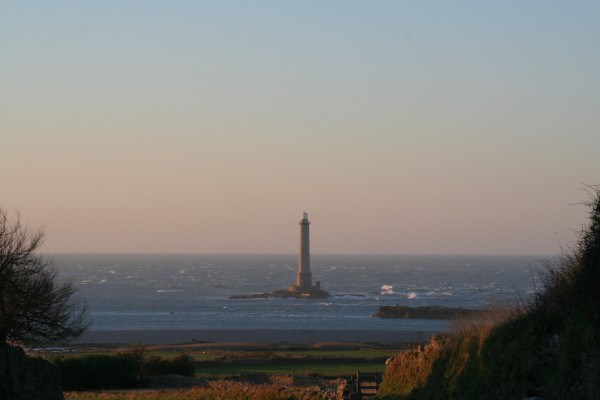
(304, 278)
(304, 286)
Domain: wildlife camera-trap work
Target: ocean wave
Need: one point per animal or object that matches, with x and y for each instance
(387, 289)
(348, 296)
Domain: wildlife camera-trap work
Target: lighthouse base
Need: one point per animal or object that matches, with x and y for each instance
(311, 292)
(297, 293)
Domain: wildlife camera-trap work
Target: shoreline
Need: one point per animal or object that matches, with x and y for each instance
(268, 336)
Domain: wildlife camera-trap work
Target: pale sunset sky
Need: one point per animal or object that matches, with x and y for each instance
(446, 127)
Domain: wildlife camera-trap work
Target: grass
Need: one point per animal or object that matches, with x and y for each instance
(339, 369)
(218, 390)
(222, 355)
(248, 365)
(203, 353)
(319, 360)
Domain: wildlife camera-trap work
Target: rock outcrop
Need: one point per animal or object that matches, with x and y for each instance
(428, 312)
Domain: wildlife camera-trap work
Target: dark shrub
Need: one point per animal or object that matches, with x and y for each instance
(151, 366)
(180, 365)
(98, 372)
(23, 377)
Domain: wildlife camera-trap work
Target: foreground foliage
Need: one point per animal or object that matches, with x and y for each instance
(23, 377)
(217, 390)
(549, 348)
(34, 304)
(119, 370)
(98, 372)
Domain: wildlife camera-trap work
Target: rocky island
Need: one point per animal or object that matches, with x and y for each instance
(284, 294)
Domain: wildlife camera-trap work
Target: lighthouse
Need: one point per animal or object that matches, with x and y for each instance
(304, 287)
(304, 278)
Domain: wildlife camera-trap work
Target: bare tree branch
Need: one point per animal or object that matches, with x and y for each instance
(34, 303)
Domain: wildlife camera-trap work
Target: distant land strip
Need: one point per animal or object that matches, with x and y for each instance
(267, 336)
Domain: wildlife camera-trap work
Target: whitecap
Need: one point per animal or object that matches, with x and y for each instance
(102, 281)
(411, 295)
(387, 289)
(167, 290)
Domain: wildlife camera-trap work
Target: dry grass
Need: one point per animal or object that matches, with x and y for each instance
(480, 328)
(217, 390)
(411, 369)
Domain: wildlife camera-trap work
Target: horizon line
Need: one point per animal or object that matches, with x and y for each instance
(47, 253)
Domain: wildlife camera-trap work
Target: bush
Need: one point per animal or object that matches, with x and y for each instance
(23, 377)
(97, 372)
(180, 365)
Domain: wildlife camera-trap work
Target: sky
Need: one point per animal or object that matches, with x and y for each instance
(426, 127)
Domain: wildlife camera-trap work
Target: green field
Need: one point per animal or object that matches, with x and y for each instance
(337, 369)
(229, 360)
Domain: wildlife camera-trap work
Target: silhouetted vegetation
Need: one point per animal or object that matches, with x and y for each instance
(180, 365)
(99, 371)
(548, 348)
(23, 377)
(34, 303)
(119, 370)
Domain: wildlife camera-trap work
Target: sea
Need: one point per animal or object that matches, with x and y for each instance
(192, 291)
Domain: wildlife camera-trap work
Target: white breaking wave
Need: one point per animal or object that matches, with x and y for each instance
(411, 295)
(387, 289)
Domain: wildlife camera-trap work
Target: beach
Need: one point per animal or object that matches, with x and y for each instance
(268, 336)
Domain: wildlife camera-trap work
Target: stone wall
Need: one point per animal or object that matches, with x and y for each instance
(27, 378)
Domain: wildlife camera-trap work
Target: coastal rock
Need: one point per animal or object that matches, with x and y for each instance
(251, 296)
(426, 312)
